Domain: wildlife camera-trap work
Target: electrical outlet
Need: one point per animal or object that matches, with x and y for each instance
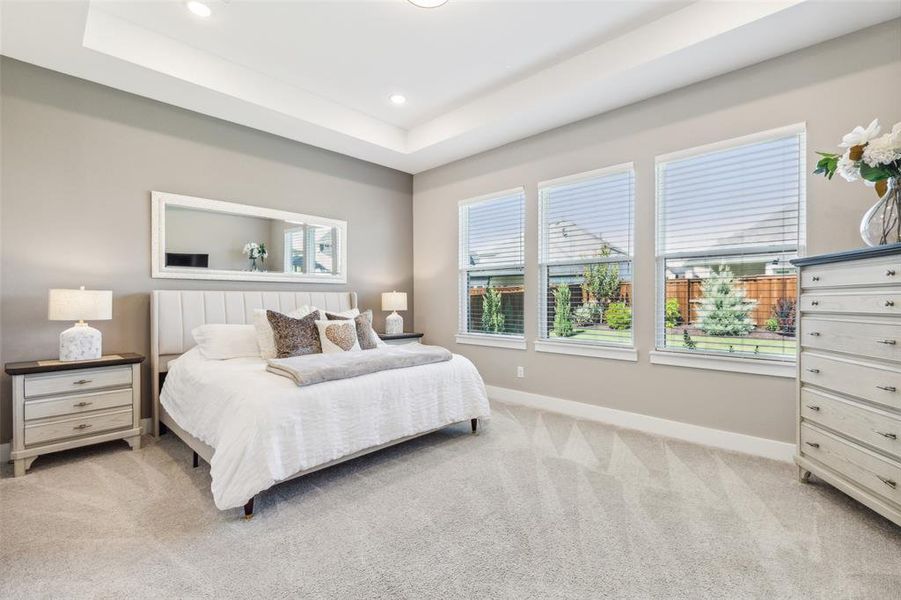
(520, 372)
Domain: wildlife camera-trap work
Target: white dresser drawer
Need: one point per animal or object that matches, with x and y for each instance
(77, 381)
(880, 475)
(863, 338)
(852, 274)
(870, 381)
(877, 428)
(864, 303)
(41, 432)
(53, 406)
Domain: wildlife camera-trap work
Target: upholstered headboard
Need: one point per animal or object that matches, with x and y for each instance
(174, 313)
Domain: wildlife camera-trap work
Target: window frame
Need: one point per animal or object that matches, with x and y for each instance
(763, 365)
(464, 336)
(597, 349)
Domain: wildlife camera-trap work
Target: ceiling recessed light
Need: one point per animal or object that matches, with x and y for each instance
(427, 3)
(199, 8)
(398, 99)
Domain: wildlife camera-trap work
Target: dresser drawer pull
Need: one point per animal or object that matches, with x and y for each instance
(82, 404)
(815, 278)
(890, 436)
(887, 388)
(82, 381)
(890, 273)
(889, 342)
(892, 484)
(82, 426)
(813, 407)
(889, 302)
(815, 333)
(813, 370)
(814, 302)
(812, 444)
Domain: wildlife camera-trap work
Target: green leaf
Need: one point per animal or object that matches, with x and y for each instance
(827, 165)
(875, 173)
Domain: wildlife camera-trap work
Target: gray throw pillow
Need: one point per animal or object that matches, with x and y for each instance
(365, 334)
(294, 337)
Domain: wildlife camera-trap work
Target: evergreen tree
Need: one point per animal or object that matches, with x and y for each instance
(563, 324)
(686, 339)
(724, 308)
(492, 316)
(602, 281)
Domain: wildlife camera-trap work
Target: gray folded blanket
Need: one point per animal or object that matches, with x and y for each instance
(317, 368)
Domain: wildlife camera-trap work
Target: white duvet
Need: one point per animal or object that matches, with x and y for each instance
(264, 428)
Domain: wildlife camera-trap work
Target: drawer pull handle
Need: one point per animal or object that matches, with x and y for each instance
(887, 388)
(82, 404)
(814, 302)
(815, 333)
(892, 484)
(813, 370)
(82, 381)
(890, 436)
(815, 278)
(813, 407)
(890, 273)
(82, 426)
(889, 342)
(889, 302)
(812, 444)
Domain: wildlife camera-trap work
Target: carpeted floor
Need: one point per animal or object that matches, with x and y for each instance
(536, 506)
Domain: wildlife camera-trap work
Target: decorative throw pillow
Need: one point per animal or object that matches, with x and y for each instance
(294, 337)
(222, 342)
(365, 334)
(338, 336)
(265, 337)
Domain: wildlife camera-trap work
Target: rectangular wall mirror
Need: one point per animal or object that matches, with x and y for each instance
(198, 238)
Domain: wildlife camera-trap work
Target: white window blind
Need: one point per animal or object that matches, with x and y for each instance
(585, 256)
(729, 219)
(295, 250)
(492, 261)
(311, 249)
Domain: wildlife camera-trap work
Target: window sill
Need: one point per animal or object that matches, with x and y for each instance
(755, 366)
(594, 351)
(493, 341)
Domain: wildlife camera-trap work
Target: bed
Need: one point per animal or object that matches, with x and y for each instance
(256, 428)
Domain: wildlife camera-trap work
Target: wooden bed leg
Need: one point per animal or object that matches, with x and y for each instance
(196, 460)
(475, 424)
(248, 510)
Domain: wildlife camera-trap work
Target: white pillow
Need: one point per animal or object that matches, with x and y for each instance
(221, 342)
(265, 337)
(338, 336)
(347, 314)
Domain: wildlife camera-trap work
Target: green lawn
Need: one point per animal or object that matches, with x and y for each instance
(741, 344)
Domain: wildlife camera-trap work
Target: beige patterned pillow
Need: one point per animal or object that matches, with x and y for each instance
(294, 337)
(366, 335)
(338, 336)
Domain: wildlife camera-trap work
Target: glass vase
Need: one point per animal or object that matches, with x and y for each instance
(881, 224)
(253, 264)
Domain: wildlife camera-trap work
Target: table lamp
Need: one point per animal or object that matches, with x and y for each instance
(394, 301)
(80, 342)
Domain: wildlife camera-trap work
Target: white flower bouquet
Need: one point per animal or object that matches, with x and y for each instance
(255, 251)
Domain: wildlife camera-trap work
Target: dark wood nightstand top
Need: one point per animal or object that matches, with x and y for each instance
(407, 335)
(50, 365)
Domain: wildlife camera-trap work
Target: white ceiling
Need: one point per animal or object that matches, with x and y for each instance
(476, 74)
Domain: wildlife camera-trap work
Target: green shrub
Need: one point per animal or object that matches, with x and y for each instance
(563, 325)
(784, 314)
(492, 315)
(686, 339)
(672, 316)
(585, 314)
(772, 324)
(619, 316)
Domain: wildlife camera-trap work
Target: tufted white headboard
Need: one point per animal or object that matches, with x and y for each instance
(174, 313)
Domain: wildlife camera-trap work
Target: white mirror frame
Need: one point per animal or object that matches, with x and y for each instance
(160, 200)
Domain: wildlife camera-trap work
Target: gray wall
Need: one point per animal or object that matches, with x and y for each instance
(220, 235)
(832, 86)
(79, 162)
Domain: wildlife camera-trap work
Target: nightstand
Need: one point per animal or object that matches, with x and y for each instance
(396, 339)
(62, 405)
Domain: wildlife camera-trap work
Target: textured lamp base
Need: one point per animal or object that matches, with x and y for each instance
(80, 342)
(394, 324)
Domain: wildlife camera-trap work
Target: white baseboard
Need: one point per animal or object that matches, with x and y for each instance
(717, 438)
(4, 453)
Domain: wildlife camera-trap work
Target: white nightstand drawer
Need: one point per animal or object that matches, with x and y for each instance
(70, 427)
(41, 408)
(77, 381)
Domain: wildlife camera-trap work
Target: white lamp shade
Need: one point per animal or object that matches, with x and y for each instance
(80, 305)
(394, 301)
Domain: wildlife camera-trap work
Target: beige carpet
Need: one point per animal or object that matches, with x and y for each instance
(537, 506)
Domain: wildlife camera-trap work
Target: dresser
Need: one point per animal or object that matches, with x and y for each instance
(849, 374)
(59, 405)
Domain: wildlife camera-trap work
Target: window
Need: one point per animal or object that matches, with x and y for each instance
(315, 241)
(729, 219)
(585, 257)
(492, 264)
